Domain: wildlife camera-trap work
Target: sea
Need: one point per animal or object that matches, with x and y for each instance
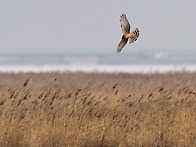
(136, 62)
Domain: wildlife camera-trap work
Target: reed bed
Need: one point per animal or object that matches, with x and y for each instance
(97, 109)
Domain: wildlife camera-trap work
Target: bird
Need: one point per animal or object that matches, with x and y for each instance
(132, 37)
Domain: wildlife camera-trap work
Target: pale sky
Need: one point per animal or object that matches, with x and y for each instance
(87, 26)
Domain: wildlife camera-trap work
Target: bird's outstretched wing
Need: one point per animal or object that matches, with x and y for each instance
(122, 43)
(125, 24)
(134, 35)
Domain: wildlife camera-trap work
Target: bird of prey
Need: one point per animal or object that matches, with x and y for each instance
(132, 37)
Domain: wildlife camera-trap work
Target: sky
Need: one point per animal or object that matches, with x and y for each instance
(87, 26)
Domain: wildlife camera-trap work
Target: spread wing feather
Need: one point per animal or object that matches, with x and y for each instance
(122, 43)
(125, 25)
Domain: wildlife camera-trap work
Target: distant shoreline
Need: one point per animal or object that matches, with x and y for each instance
(145, 69)
(134, 58)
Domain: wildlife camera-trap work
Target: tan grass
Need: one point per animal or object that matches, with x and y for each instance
(80, 109)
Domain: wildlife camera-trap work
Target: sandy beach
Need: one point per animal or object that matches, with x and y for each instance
(97, 109)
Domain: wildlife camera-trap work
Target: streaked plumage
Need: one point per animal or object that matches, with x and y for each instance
(132, 37)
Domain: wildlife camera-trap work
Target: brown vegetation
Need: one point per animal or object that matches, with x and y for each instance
(80, 109)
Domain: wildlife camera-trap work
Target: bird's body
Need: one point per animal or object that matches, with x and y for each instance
(132, 37)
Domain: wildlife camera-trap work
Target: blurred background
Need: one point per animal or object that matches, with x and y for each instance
(70, 32)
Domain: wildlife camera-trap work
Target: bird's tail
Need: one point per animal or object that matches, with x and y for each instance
(134, 35)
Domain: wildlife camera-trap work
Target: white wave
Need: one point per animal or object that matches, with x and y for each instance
(97, 68)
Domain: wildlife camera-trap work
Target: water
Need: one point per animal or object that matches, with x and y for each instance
(126, 63)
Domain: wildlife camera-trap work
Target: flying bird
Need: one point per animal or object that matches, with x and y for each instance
(132, 37)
